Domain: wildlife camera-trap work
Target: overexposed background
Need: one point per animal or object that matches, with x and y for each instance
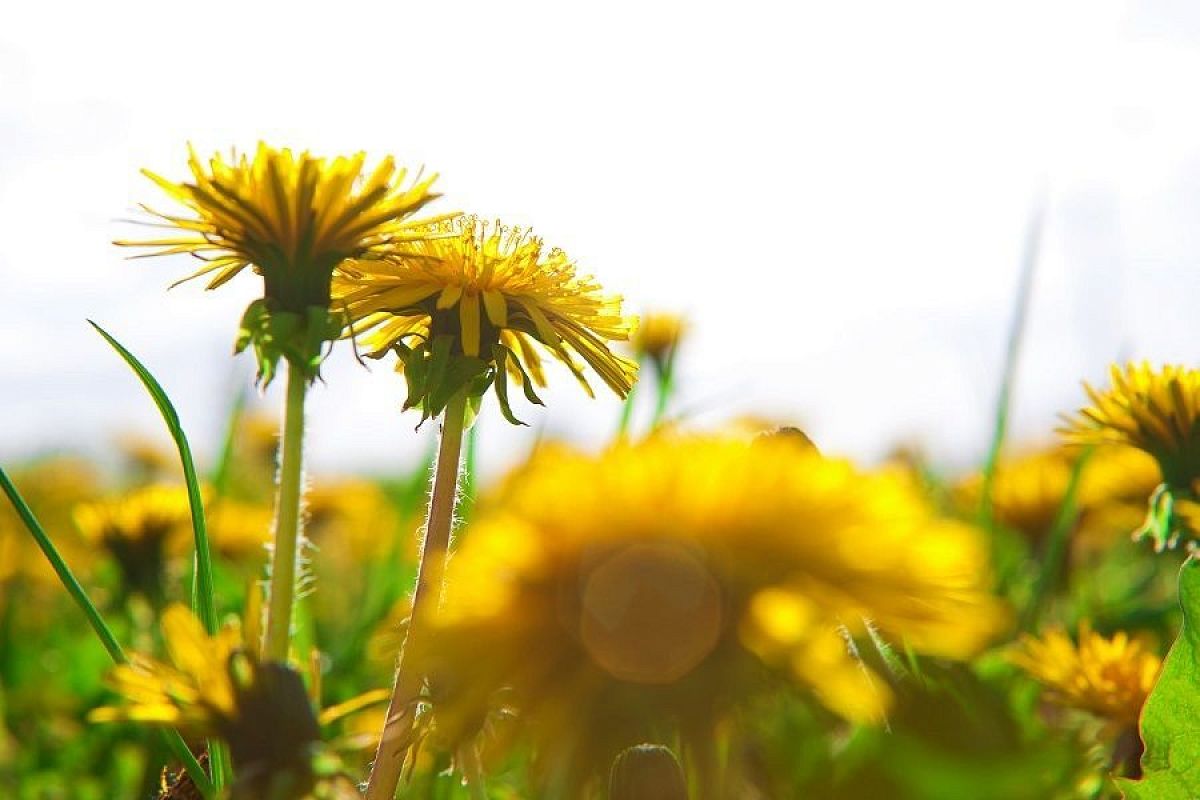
(837, 194)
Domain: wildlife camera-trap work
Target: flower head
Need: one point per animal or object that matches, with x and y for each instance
(468, 305)
(213, 687)
(1109, 677)
(293, 219)
(674, 579)
(51, 487)
(658, 336)
(141, 529)
(1157, 411)
(1027, 490)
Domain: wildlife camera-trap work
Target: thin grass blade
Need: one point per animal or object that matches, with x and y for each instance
(203, 594)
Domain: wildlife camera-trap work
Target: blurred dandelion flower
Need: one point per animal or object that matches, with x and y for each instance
(1108, 677)
(658, 336)
(141, 529)
(1157, 411)
(1027, 490)
(673, 579)
(214, 687)
(1116, 485)
(52, 488)
(466, 304)
(293, 219)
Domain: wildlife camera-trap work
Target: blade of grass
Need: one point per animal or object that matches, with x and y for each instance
(203, 594)
(1056, 545)
(207, 607)
(221, 470)
(1016, 335)
(174, 741)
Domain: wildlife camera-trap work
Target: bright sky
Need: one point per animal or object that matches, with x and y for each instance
(836, 193)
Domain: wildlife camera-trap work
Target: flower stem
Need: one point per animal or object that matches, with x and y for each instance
(287, 521)
(393, 743)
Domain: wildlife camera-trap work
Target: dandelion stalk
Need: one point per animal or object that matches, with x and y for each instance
(626, 413)
(666, 387)
(393, 743)
(287, 521)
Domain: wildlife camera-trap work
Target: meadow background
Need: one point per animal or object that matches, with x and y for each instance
(839, 199)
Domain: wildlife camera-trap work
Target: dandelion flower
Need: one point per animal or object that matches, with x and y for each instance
(671, 580)
(293, 219)
(1027, 490)
(52, 488)
(1108, 677)
(1157, 411)
(141, 529)
(470, 304)
(213, 687)
(658, 336)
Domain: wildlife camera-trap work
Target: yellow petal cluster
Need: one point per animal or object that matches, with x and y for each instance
(52, 488)
(151, 514)
(1109, 677)
(488, 285)
(1027, 490)
(195, 691)
(1153, 409)
(658, 336)
(669, 579)
(293, 218)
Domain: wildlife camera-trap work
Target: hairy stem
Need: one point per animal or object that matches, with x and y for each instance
(397, 730)
(287, 521)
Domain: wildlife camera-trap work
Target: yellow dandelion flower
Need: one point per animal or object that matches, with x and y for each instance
(470, 304)
(671, 580)
(238, 529)
(52, 488)
(214, 687)
(293, 219)
(1157, 411)
(140, 529)
(1114, 489)
(1108, 677)
(658, 336)
(1027, 490)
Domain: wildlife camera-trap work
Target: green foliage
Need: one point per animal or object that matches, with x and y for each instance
(276, 334)
(1171, 718)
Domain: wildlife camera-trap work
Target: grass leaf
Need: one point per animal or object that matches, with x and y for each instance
(203, 595)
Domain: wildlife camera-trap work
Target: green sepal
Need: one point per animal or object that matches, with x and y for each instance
(299, 338)
(461, 373)
(500, 354)
(434, 374)
(476, 389)
(526, 381)
(1163, 525)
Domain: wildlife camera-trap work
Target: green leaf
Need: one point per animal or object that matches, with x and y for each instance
(1170, 723)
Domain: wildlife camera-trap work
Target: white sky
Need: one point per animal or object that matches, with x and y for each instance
(836, 193)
